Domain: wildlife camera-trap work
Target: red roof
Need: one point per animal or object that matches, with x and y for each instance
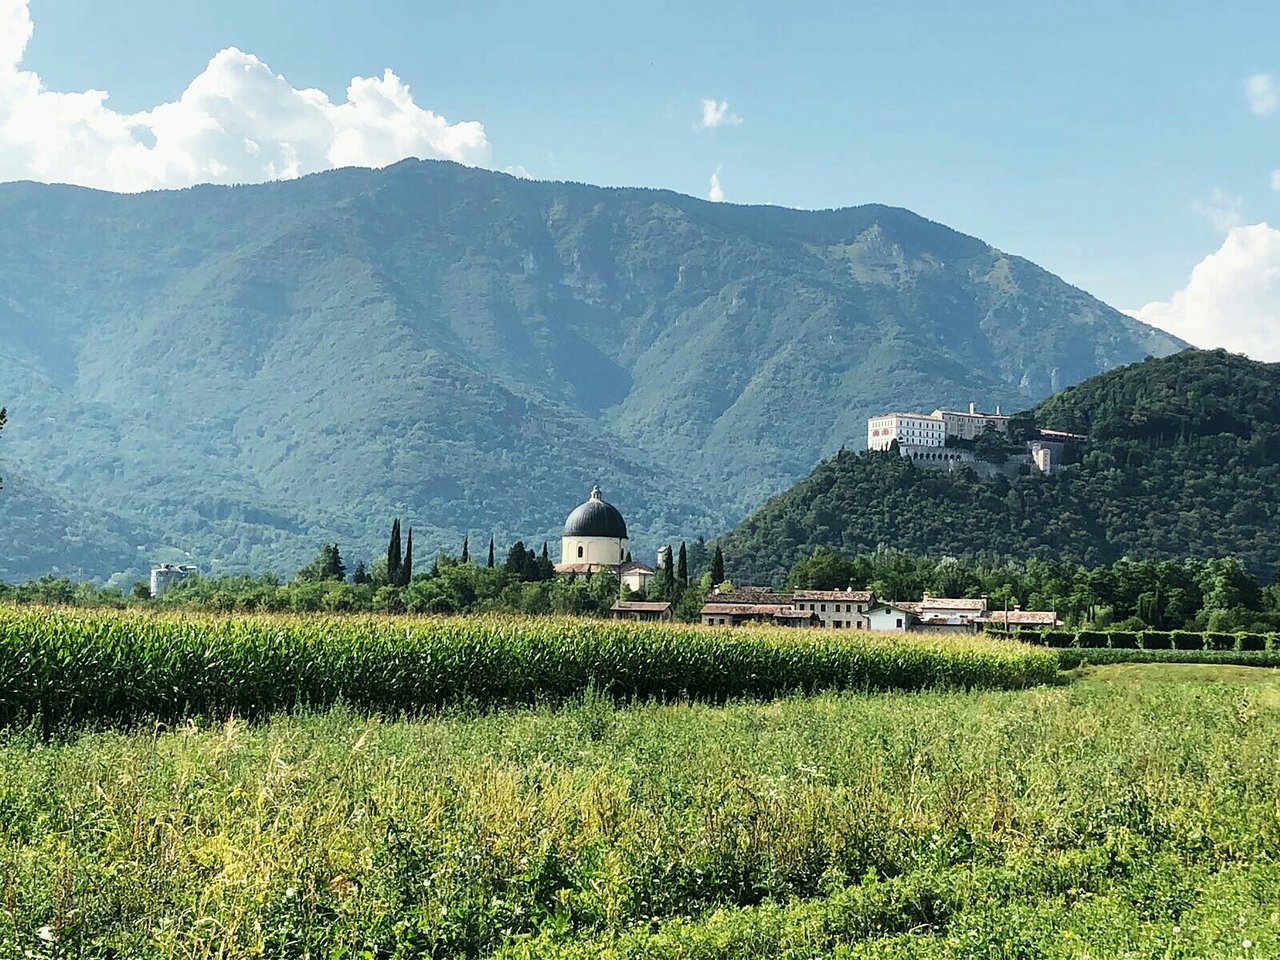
(962, 603)
(1044, 617)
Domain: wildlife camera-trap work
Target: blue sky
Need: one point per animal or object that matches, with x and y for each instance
(1117, 147)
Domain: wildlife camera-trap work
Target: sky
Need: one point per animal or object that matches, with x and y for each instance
(1133, 149)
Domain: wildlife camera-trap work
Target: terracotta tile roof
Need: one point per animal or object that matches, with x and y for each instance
(584, 567)
(753, 610)
(636, 567)
(640, 606)
(906, 606)
(752, 595)
(961, 603)
(843, 596)
(1045, 617)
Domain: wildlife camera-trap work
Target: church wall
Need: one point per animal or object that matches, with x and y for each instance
(603, 550)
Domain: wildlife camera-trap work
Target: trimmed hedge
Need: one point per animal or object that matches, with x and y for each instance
(1124, 639)
(1253, 641)
(1092, 639)
(1157, 640)
(1186, 640)
(1073, 657)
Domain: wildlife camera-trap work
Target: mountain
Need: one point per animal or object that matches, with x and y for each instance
(1183, 461)
(234, 374)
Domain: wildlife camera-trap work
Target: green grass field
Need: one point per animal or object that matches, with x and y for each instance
(1133, 811)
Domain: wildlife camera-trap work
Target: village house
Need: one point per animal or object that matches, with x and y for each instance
(641, 611)
(836, 609)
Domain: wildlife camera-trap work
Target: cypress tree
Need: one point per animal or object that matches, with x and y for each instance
(466, 549)
(547, 556)
(406, 570)
(491, 553)
(668, 583)
(717, 567)
(682, 566)
(393, 555)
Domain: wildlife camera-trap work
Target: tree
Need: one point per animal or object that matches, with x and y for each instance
(491, 553)
(667, 576)
(682, 566)
(361, 575)
(394, 558)
(466, 550)
(547, 556)
(327, 565)
(717, 567)
(4, 418)
(406, 568)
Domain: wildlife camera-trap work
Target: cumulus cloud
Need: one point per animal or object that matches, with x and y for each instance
(237, 121)
(716, 192)
(716, 113)
(1263, 94)
(1232, 299)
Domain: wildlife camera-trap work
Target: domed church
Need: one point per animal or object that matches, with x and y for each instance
(595, 540)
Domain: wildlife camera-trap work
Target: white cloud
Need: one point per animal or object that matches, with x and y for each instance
(1262, 93)
(1232, 299)
(1224, 210)
(716, 113)
(236, 122)
(716, 192)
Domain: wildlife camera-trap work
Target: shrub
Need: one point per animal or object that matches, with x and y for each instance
(1091, 639)
(1156, 640)
(1124, 639)
(1058, 638)
(1186, 640)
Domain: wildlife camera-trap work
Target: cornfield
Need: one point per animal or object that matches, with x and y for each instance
(69, 668)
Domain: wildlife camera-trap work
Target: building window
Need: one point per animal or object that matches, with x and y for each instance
(838, 624)
(899, 623)
(824, 608)
(579, 551)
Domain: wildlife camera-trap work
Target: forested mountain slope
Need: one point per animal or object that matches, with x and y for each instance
(1184, 461)
(238, 373)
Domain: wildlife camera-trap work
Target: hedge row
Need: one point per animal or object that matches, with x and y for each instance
(1071, 657)
(1148, 640)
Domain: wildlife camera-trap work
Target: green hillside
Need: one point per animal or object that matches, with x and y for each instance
(1184, 461)
(238, 373)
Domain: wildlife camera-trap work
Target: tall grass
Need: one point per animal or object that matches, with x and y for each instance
(71, 668)
(1092, 819)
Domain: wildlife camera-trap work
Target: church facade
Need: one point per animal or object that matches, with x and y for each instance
(595, 540)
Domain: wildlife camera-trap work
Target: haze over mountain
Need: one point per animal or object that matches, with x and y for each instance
(234, 374)
(1184, 461)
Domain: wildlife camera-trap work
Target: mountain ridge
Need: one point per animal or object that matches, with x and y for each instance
(477, 350)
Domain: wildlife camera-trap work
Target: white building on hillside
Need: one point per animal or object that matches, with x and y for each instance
(972, 424)
(908, 429)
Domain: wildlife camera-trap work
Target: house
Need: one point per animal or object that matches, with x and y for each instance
(736, 614)
(950, 615)
(165, 575)
(836, 609)
(906, 429)
(971, 424)
(885, 617)
(1017, 617)
(641, 611)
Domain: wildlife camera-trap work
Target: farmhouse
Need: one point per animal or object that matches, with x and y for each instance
(641, 611)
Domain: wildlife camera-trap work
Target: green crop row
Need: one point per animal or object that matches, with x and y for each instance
(72, 668)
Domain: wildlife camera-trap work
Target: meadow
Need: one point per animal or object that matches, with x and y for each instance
(1126, 810)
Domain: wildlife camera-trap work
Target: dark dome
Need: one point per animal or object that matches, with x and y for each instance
(595, 518)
